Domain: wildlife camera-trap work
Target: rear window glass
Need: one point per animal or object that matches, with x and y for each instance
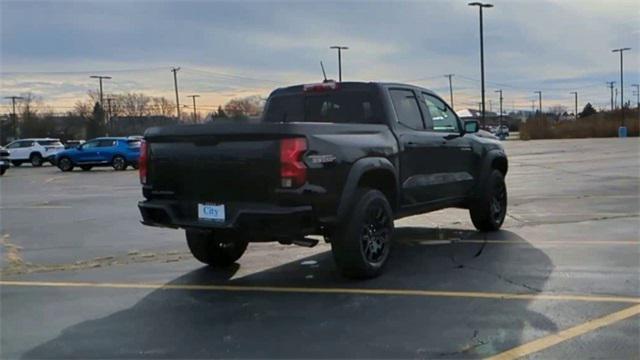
(50, 142)
(331, 106)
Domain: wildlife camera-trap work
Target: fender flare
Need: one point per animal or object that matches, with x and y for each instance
(486, 168)
(35, 153)
(359, 168)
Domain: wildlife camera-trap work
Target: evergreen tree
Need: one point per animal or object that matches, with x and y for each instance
(95, 126)
(587, 111)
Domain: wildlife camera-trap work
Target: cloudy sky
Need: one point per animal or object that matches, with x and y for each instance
(230, 49)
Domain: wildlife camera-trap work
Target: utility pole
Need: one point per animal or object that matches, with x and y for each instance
(637, 86)
(194, 106)
(175, 84)
(611, 83)
(621, 51)
(615, 99)
(450, 88)
(533, 106)
(109, 99)
(576, 105)
(14, 123)
(339, 48)
(100, 77)
(500, 91)
(539, 101)
(481, 6)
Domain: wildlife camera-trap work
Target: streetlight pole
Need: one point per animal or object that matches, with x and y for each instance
(637, 86)
(500, 91)
(339, 48)
(175, 84)
(14, 123)
(100, 77)
(194, 106)
(539, 101)
(481, 6)
(621, 51)
(576, 104)
(450, 88)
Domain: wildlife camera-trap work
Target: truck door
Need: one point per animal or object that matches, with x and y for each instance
(420, 164)
(456, 149)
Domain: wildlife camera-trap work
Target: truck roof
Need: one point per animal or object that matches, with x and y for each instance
(353, 85)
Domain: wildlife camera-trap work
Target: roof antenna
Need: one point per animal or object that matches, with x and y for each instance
(323, 73)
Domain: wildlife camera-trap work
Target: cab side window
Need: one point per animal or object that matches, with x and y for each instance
(15, 145)
(407, 108)
(444, 120)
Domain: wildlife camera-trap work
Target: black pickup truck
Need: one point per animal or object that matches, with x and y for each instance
(340, 160)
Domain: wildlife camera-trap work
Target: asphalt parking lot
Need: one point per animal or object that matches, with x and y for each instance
(81, 278)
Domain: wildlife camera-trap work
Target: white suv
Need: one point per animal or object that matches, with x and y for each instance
(35, 151)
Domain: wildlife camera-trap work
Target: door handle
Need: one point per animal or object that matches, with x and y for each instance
(411, 144)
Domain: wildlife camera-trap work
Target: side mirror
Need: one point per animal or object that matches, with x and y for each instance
(471, 126)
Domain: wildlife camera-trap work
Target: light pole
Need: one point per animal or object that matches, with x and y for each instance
(450, 89)
(110, 116)
(14, 123)
(100, 77)
(481, 6)
(637, 86)
(621, 51)
(500, 91)
(539, 101)
(194, 106)
(339, 48)
(576, 104)
(175, 84)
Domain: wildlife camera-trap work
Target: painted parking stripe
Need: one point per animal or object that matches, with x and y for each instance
(564, 335)
(520, 242)
(319, 290)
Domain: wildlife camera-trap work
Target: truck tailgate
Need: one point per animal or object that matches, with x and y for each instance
(215, 168)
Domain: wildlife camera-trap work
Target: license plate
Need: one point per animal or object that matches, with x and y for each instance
(211, 212)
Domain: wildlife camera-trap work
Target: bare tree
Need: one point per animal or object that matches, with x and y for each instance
(134, 104)
(244, 107)
(162, 106)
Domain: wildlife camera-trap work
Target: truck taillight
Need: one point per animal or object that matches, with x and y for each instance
(142, 162)
(293, 172)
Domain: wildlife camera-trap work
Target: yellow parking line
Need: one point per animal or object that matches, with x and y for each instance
(534, 242)
(319, 290)
(564, 335)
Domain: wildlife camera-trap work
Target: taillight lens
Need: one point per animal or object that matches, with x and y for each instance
(293, 172)
(142, 162)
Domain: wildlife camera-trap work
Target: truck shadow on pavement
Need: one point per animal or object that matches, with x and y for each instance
(248, 324)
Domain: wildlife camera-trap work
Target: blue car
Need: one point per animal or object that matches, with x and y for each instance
(118, 152)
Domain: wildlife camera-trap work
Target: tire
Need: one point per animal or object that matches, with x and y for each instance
(36, 160)
(65, 164)
(488, 212)
(362, 243)
(86, 167)
(3, 170)
(216, 249)
(16, 163)
(119, 163)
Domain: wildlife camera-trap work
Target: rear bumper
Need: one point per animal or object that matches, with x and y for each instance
(247, 217)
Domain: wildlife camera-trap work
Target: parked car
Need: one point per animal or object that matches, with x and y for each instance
(4, 160)
(341, 160)
(35, 151)
(502, 130)
(118, 152)
(73, 143)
